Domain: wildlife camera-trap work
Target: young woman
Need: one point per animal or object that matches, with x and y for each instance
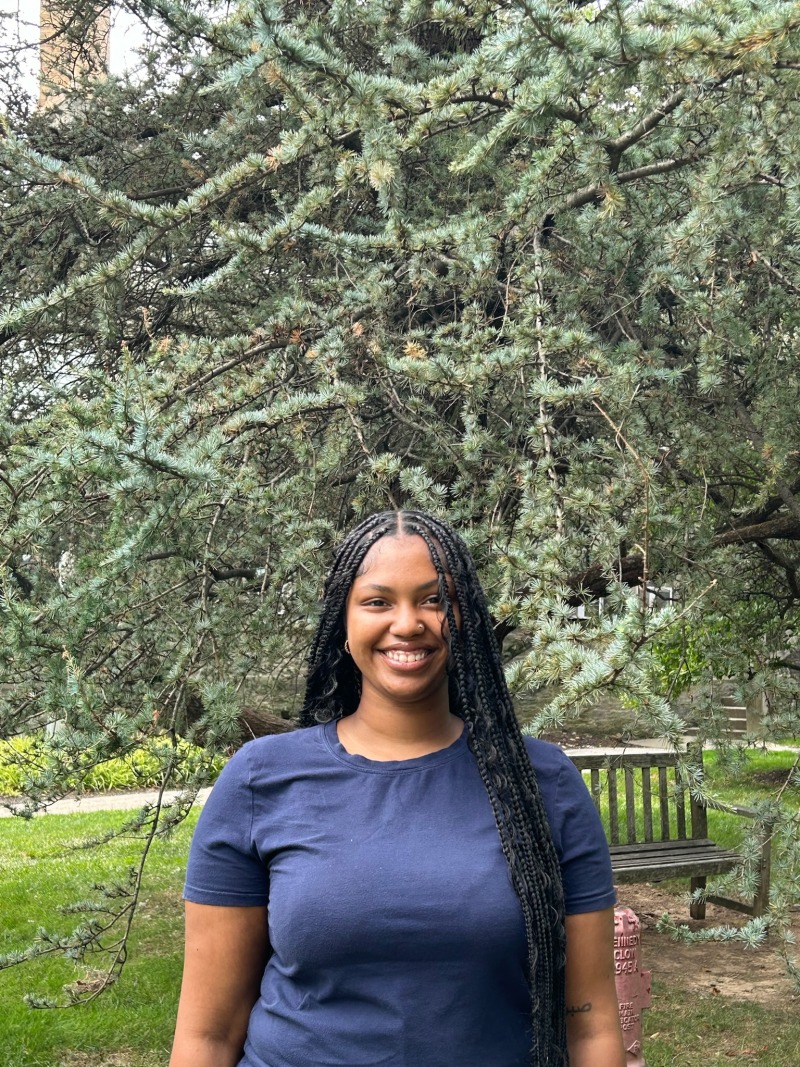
(406, 882)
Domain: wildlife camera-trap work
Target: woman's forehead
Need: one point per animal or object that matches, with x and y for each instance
(397, 550)
(396, 553)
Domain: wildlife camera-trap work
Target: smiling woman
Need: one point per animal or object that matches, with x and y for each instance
(398, 638)
(407, 881)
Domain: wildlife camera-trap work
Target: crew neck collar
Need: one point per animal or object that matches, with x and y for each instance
(417, 763)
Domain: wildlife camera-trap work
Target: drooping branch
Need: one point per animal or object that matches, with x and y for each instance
(789, 569)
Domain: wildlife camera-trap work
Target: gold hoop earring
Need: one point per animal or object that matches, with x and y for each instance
(347, 648)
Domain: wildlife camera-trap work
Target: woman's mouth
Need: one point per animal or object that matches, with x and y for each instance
(396, 656)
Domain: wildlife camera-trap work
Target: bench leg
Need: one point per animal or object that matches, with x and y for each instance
(697, 909)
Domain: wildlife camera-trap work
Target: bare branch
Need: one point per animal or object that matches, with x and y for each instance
(618, 145)
(759, 258)
(784, 527)
(595, 193)
(767, 510)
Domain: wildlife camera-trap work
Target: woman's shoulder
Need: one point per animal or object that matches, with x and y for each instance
(291, 750)
(558, 777)
(294, 744)
(545, 757)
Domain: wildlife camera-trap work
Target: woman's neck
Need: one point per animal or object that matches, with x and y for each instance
(384, 734)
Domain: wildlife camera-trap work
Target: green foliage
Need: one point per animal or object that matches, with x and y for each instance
(24, 760)
(534, 269)
(680, 660)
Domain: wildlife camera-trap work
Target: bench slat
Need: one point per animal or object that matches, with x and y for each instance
(690, 844)
(595, 776)
(626, 758)
(647, 805)
(663, 799)
(680, 805)
(613, 815)
(658, 872)
(630, 861)
(623, 853)
(630, 804)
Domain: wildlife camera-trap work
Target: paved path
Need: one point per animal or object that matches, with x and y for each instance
(103, 802)
(132, 801)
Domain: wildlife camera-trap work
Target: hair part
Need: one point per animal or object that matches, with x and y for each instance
(478, 695)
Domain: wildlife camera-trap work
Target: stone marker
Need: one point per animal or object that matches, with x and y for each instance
(633, 984)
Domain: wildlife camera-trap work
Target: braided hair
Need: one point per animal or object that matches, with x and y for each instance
(478, 695)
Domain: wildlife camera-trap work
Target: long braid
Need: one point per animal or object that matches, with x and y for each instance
(524, 831)
(479, 695)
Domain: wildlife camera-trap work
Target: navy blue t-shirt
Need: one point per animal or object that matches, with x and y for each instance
(397, 937)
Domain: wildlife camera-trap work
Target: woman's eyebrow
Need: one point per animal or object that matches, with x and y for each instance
(432, 584)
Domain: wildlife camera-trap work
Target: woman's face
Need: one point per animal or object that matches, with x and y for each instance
(396, 626)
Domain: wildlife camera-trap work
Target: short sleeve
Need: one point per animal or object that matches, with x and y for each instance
(581, 845)
(224, 866)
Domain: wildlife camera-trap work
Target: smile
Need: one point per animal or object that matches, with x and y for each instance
(405, 657)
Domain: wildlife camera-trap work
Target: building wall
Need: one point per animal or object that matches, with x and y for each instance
(73, 45)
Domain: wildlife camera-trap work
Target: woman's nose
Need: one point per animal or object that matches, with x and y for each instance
(407, 622)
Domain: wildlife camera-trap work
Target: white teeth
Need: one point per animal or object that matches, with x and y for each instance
(405, 657)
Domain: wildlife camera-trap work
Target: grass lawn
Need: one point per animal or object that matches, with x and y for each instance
(682, 1030)
(40, 870)
(753, 777)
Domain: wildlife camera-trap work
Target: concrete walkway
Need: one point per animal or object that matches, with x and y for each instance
(102, 802)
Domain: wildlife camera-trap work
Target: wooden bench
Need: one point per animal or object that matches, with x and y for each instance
(643, 798)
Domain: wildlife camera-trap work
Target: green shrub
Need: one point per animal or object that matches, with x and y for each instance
(25, 759)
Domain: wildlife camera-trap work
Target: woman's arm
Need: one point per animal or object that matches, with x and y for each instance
(594, 1037)
(225, 956)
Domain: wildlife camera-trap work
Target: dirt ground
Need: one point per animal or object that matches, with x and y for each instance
(708, 968)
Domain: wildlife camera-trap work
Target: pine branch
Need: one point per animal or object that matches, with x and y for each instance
(757, 438)
(223, 368)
